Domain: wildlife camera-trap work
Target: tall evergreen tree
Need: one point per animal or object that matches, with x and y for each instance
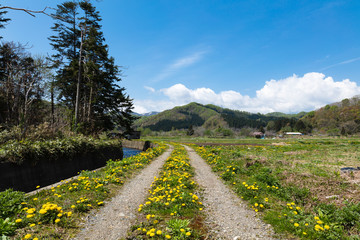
(3, 20)
(82, 57)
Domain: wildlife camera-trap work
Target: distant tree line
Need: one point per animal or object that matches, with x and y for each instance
(80, 77)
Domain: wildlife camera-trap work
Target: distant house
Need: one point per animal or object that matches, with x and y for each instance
(258, 134)
(293, 134)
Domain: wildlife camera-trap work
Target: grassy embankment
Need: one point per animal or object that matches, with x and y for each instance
(172, 209)
(57, 213)
(295, 185)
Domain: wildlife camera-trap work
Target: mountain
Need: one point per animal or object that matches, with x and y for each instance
(145, 114)
(333, 119)
(284, 115)
(336, 118)
(207, 116)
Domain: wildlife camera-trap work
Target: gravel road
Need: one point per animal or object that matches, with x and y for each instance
(226, 215)
(115, 219)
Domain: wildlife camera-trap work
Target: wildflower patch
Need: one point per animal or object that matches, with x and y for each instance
(57, 212)
(173, 205)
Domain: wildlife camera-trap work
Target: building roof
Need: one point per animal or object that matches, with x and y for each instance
(293, 133)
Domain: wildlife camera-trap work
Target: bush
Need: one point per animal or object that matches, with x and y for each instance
(34, 151)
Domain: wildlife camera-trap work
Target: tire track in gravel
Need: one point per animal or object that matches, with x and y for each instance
(227, 216)
(115, 219)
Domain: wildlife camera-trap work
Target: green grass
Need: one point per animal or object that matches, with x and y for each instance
(302, 173)
(172, 209)
(56, 213)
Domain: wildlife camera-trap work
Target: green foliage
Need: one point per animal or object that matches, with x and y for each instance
(7, 228)
(176, 225)
(33, 151)
(56, 212)
(290, 206)
(10, 203)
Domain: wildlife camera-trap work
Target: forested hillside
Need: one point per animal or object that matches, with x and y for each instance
(337, 118)
(334, 119)
(209, 117)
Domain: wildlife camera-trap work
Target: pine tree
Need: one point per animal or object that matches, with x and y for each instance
(82, 57)
(3, 20)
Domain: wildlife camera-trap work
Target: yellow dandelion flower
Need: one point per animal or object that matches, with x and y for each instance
(188, 234)
(296, 224)
(18, 220)
(27, 236)
(167, 236)
(57, 220)
(158, 232)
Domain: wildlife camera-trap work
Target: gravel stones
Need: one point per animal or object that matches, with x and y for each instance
(115, 219)
(226, 215)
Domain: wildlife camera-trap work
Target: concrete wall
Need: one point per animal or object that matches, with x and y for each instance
(140, 145)
(27, 176)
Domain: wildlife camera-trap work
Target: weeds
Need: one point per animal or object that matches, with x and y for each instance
(289, 202)
(56, 213)
(172, 204)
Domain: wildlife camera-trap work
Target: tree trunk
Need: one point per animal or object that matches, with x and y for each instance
(78, 82)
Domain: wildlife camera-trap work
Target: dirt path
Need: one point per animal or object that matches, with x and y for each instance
(115, 219)
(226, 215)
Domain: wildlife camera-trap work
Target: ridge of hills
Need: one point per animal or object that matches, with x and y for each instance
(207, 116)
(333, 119)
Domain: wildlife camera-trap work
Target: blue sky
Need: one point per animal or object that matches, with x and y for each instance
(257, 56)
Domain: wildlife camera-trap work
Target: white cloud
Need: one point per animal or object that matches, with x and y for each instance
(289, 95)
(150, 89)
(179, 64)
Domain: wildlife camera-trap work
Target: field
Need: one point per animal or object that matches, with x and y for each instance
(296, 185)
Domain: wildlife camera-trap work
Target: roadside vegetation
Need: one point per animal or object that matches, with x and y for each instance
(19, 151)
(57, 212)
(297, 185)
(173, 207)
